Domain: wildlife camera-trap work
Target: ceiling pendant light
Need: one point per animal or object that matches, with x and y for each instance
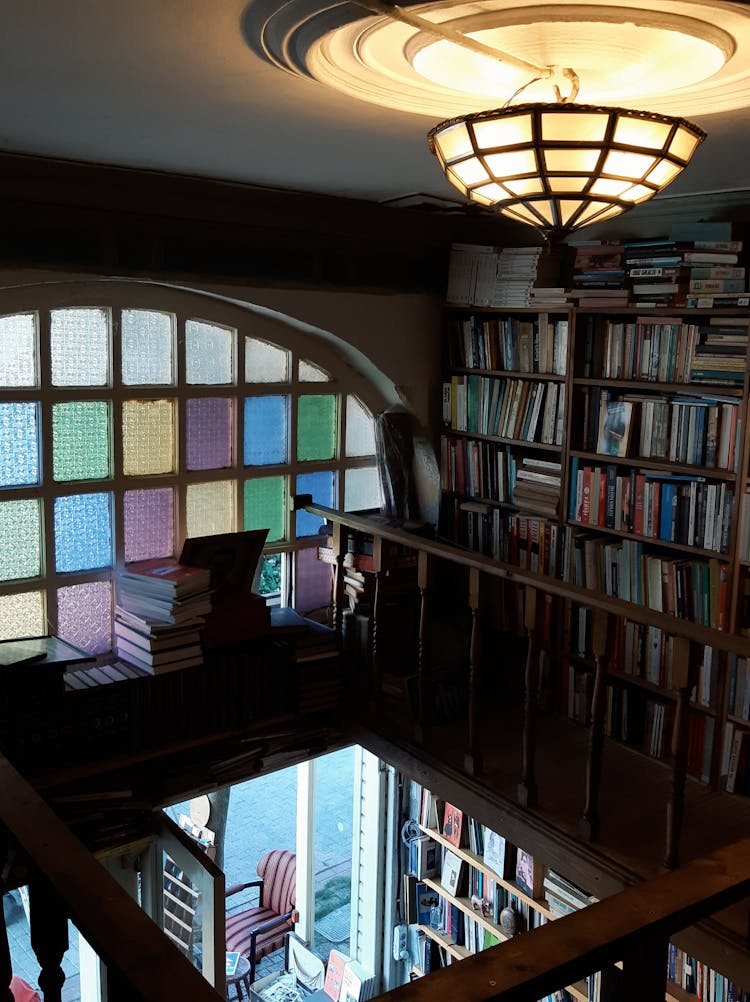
(562, 166)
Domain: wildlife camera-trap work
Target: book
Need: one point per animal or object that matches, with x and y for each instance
(126, 649)
(452, 872)
(168, 578)
(529, 874)
(233, 959)
(614, 428)
(337, 961)
(496, 854)
(357, 983)
(453, 825)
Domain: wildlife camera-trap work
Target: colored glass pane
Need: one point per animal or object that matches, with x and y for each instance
(209, 353)
(147, 352)
(266, 434)
(79, 347)
(22, 615)
(360, 429)
(147, 437)
(148, 523)
(209, 433)
(321, 486)
(80, 440)
(210, 508)
(313, 581)
(309, 373)
(316, 427)
(362, 489)
(20, 540)
(265, 506)
(18, 350)
(265, 363)
(83, 532)
(84, 616)
(19, 444)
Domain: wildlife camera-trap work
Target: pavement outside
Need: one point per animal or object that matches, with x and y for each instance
(262, 816)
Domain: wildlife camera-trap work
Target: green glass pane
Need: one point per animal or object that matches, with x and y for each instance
(80, 440)
(316, 427)
(22, 615)
(20, 540)
(265, 505)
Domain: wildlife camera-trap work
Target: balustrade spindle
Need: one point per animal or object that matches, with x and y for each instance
(684, 678)
(589, 823)
(644, 971)
(425, 577)
(473, 757)
(6, 971)
(527, 790)
(49, 937)
(376, 694)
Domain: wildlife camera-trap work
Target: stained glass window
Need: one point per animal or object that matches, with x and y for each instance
(312, 581)
(83, 532)
(22, 615)
(321, 486)
(20, 540)
(265, 363)
(362, 489)
(209, 433)
(84, 616)
(18, 350)
(209, 353)
(265, 505)
(309, 373)
(147, 348)
(316, 427)
(360, 429)
(210, 508)
(79, 347)
(266, 433)
(80, 440)
(148, 523)
(19, 444)
(147, 437)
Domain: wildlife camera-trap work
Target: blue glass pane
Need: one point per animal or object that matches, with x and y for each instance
(321, 486)
(265, 430)
(83, 532)
(19, 445)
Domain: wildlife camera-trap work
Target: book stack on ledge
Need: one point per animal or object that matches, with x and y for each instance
(481, 275)
(160, 610)
(538, 486)
(599, 275)
(690, 273)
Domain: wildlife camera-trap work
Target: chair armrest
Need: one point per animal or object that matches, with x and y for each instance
(236, 888)
(277, 920)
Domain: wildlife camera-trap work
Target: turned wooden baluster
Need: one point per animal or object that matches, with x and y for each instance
(644, 971)
(473, 757)
(6, 971)
(425, 569)
(527, 791)
(684, 678)
(49, 937)
(339, 538)
(376, 693)
(588, 826)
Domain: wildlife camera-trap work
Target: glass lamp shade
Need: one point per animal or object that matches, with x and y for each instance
(559, 167)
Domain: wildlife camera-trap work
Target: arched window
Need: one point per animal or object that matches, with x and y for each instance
(133, 416)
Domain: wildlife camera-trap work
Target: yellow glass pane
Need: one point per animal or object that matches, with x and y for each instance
(453, 142)
(477, 196)
(455, 181)
(638, 193)
(567, 183)
(568, 208)
(148, 437)
(507, 164)
(522, 212)
(546, 210)
(210, 508)
(491, 133)
(525, 186)
(573, 160)
(580, 127)
(610, 186)
(490, 193)
(663, 173)
(683, 145)
(22, 615)
(632, 165)
(642, 132)
(598, 210)
(470, 172)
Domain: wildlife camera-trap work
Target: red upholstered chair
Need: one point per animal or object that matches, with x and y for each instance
(257, 931)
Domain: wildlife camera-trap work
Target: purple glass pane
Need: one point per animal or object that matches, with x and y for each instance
(312, 581)
(209, 433)
(148, 519)
(84, 616)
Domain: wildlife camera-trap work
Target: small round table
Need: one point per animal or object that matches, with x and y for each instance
(238, 979)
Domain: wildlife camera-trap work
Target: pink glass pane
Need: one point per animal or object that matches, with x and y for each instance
(209, 433)
(312, 581)
(84, 616)
(148, 518)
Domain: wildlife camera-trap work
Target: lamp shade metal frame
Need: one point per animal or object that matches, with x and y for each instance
(562, 166)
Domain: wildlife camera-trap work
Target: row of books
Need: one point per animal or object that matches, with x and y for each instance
(636, 720)
(510, 344)
(347, 980)
(739, 687)
(692, 429)
(159, 614)
(527, 542)
(483, 275)
(697, 978)
(678, 509)
(520, 409)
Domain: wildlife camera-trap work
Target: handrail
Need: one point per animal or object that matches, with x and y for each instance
(704, 635)
(121, 933)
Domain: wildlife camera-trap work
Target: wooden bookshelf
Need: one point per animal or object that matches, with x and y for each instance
(459, 952)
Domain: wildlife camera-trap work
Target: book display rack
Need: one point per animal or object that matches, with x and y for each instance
(608, 449)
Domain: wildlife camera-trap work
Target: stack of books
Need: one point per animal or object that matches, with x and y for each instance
(599, 275)
(563, 897)
(161, 605)
(691, 273)
(516, 276)
(537, 487)
(720, 352)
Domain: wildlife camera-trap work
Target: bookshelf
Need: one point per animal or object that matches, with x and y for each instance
(636, 488)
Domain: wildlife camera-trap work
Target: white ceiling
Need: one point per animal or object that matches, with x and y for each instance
(172, 85)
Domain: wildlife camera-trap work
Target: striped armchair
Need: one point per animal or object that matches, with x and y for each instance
(257, 931)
